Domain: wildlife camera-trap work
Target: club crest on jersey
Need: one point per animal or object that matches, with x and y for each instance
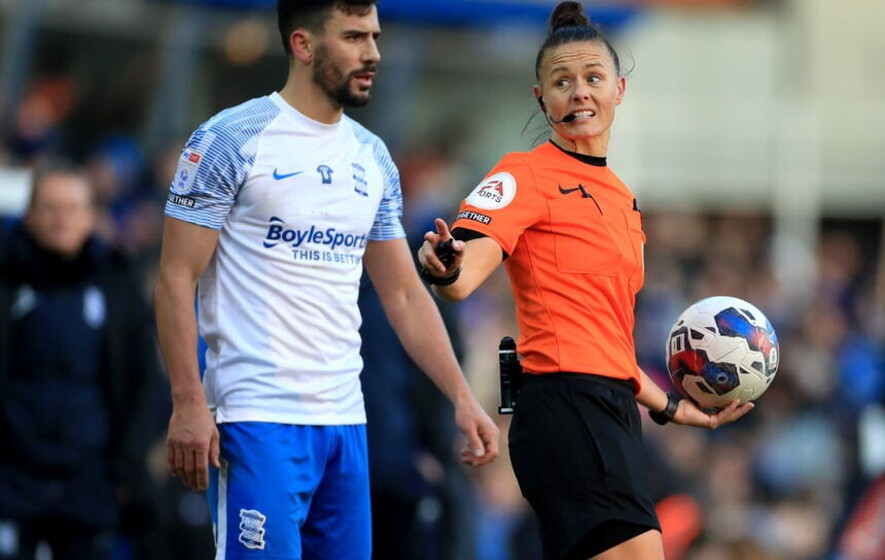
(252, 529)
(494, 192)
(360, 185)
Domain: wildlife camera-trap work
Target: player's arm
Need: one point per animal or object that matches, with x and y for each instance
(192, 441)
(476, 258)
(688, 413)
(416, 320)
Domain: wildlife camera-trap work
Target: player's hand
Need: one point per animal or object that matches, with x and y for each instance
(433, 242)
(690, 414)
(482, 433)
(191, 444)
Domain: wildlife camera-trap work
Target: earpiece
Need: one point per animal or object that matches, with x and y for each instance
(541, 103)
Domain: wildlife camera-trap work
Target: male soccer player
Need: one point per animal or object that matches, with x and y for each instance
(275, 207)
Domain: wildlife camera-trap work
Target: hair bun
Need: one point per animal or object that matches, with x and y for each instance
(568, 14)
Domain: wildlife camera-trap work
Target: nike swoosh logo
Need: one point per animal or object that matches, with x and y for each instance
(279, 177)
(584, 194)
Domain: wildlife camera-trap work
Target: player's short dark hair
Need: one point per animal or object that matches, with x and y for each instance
(313, 14)
(569, 24)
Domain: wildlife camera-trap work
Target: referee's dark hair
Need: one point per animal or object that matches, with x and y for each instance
(569, 24)
(313, 14)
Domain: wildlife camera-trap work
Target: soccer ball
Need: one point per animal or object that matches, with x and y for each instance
(720, 349)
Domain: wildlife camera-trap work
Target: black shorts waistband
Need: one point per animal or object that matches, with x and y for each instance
(622, 385)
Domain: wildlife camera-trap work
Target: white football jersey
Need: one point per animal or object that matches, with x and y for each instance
(296, 202)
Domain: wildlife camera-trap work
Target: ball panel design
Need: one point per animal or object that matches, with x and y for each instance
(721, 349)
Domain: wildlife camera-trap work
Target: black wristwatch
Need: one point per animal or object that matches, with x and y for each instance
(437, 280)
(669, 412)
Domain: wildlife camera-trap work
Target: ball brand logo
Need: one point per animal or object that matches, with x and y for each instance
(277, 233)
(773, 361)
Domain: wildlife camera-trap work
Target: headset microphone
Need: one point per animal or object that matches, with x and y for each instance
(565, 119)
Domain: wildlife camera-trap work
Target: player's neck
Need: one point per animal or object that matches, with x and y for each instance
(308, 99)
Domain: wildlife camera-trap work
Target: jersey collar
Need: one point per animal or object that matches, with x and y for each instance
(307, 122)
(589, 160)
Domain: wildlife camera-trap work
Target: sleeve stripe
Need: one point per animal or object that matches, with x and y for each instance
(388, 221)
(227, 143)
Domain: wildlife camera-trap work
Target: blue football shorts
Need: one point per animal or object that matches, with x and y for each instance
(291, 492)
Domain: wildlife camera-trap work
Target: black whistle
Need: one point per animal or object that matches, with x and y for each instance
(510, 374)
(445, 253)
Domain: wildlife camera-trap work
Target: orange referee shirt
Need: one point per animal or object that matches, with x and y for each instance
(573, 233)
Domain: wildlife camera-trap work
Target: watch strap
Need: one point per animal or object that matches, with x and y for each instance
(664, 416)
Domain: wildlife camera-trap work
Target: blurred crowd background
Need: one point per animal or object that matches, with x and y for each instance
(751, 132)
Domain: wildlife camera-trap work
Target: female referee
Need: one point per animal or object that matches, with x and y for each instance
(570, 235)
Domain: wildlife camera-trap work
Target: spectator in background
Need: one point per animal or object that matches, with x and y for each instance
(77, 373)
(118, 170)
(34, 130)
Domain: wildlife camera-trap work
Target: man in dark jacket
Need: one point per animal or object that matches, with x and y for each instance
(77, 374)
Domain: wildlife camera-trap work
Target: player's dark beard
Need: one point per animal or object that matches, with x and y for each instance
(335, 84)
